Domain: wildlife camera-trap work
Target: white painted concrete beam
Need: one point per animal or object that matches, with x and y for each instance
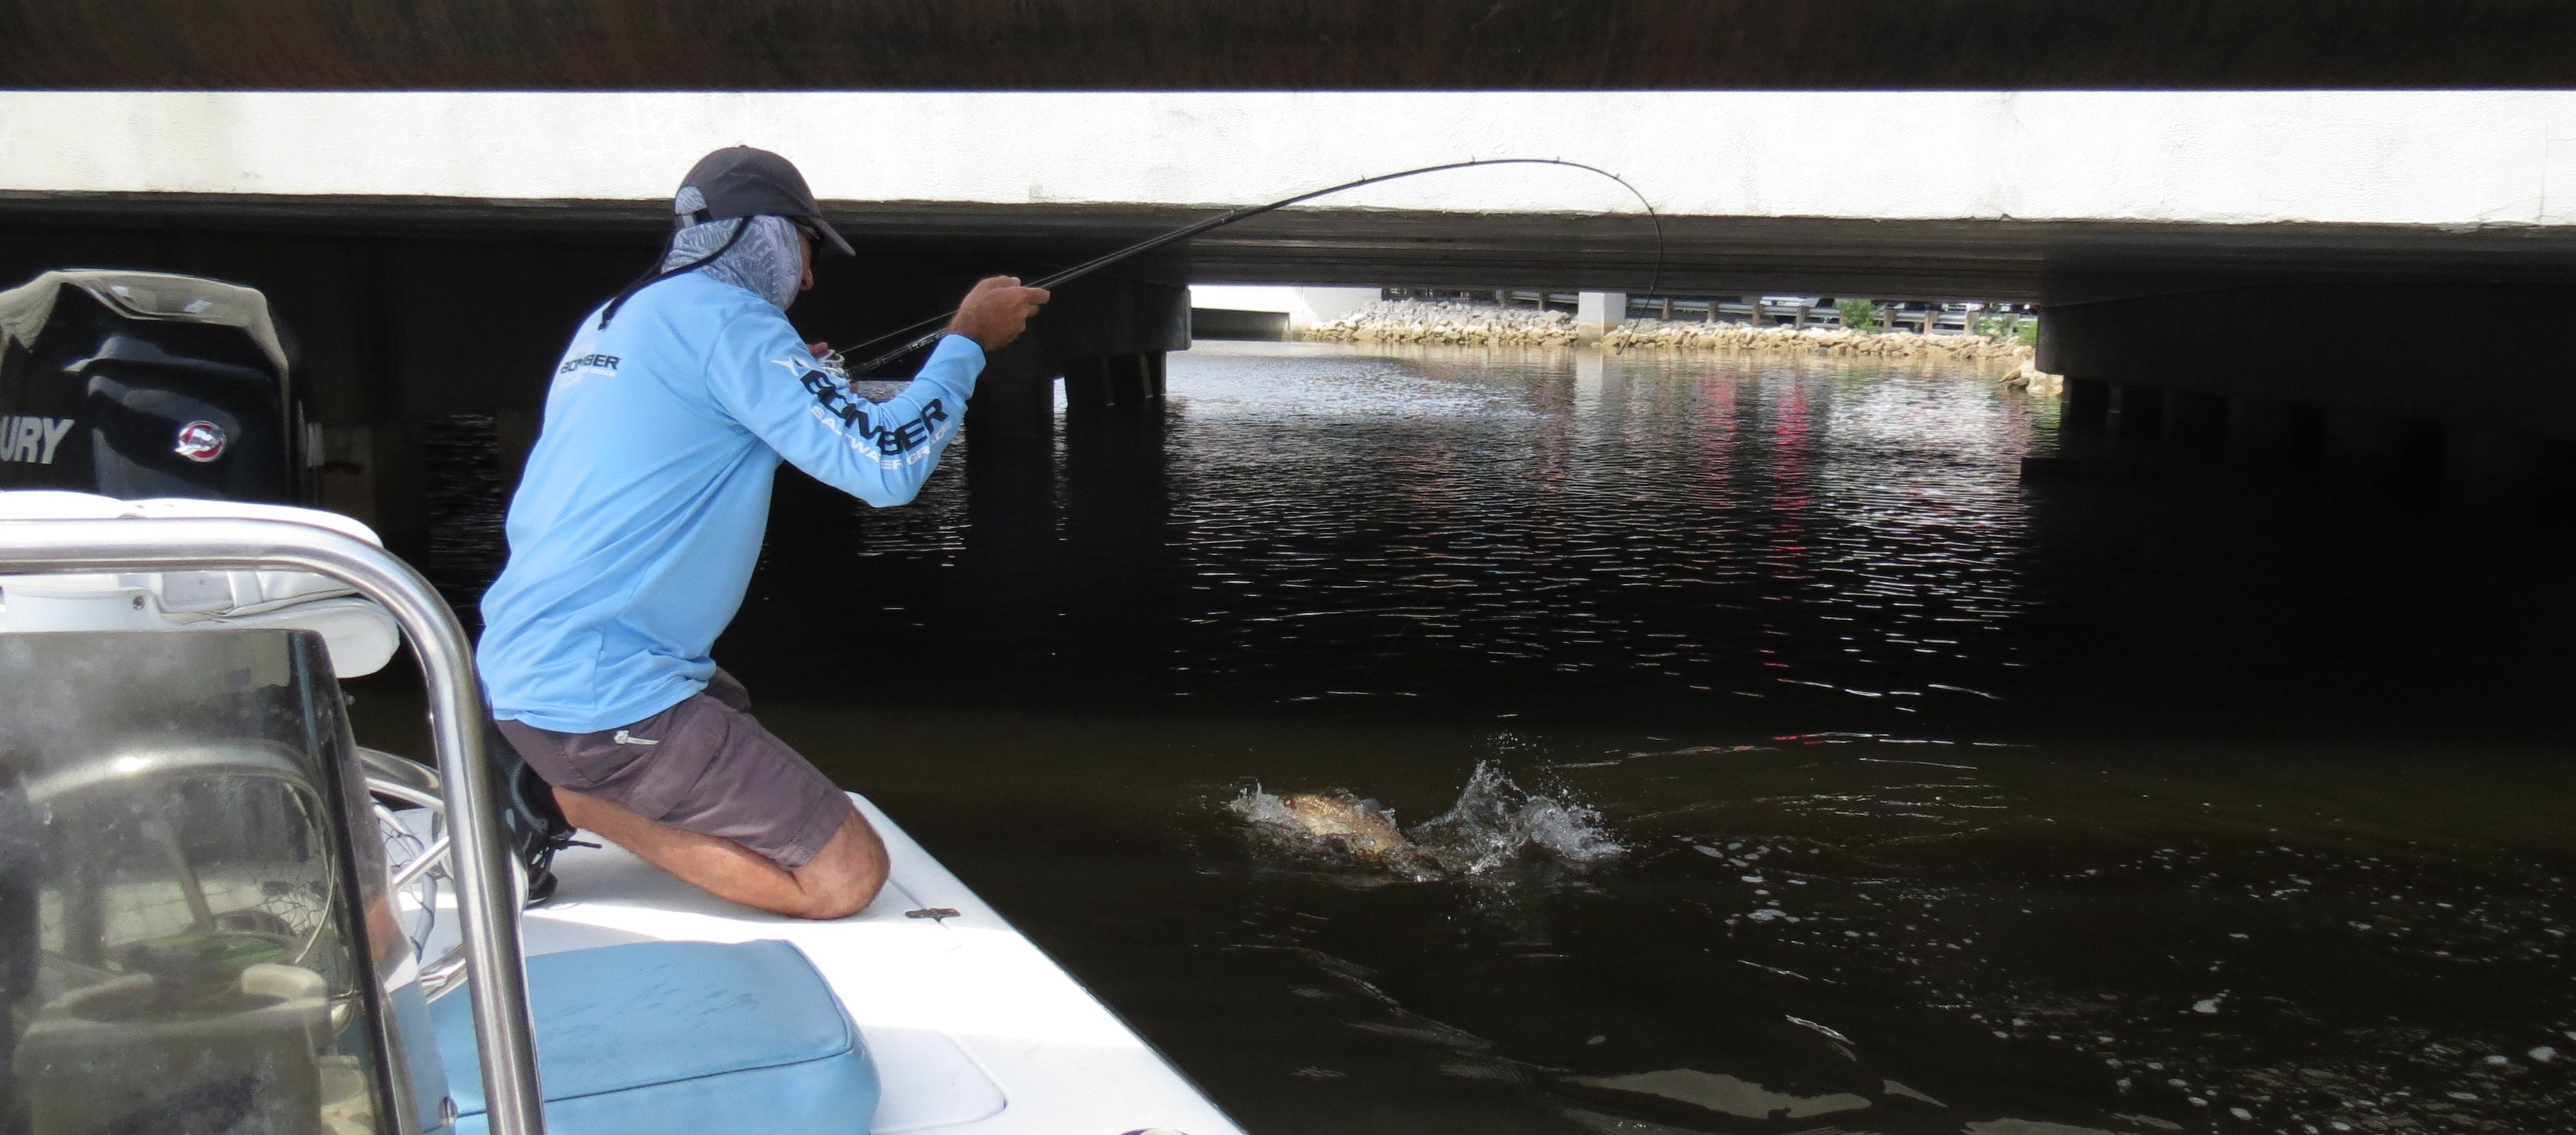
(1305, 306)
(2455, 158)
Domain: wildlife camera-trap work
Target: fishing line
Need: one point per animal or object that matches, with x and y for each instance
(1221, 220)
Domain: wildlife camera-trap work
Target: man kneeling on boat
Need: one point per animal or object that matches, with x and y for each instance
(634, 531)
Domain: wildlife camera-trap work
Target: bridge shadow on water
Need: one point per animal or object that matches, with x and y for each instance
(2195, 796)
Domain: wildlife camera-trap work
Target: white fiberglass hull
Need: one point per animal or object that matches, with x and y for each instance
(973, 1029)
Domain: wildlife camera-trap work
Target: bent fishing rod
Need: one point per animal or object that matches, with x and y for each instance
(1229, 217)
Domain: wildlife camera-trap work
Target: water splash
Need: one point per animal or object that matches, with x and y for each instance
(1496, 823)
(1255, 806)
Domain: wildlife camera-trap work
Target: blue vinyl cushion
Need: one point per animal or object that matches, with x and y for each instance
(678, 1038)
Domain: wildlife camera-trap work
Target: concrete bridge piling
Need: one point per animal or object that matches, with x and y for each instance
(1599, 313)
(2301, 373)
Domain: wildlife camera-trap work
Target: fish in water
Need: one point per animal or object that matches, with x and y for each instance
(1493, 824)
(1362, 827)
(1334, 821)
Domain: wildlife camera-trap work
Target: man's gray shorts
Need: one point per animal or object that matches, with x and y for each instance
(703, 765)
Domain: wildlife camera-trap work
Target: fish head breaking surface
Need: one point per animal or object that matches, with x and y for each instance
(1492, 824)
(1363, 827)
(1333, 821)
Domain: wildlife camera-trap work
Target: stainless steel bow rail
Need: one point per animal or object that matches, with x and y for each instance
(482, 868)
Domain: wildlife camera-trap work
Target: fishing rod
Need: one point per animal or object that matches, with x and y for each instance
(1247, 212)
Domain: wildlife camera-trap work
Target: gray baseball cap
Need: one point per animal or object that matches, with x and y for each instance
(740, 181)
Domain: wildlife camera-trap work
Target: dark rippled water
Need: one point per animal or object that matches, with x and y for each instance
(2191, 796)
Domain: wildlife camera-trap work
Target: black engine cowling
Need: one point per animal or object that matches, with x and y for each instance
(144, 384)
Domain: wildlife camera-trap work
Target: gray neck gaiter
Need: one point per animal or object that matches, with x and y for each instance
(765, 262)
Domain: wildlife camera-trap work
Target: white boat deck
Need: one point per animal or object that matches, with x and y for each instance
(973, 1029)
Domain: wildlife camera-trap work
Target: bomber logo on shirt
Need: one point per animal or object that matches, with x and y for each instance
(837, 407)
(592, 362)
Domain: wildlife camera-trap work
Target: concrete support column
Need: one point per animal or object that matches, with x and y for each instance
(1087, 384)
(2375, 445)
(2271, 431)
(2196, 420)
(1015, 396)
(1010, 450)
(1112, 381)
(1114, 537)
(2137, 411)
(2085, 405)
(1598, 313)
(1114, 479)
(1105, 336)
(2382, 380)
(1131, 382)
(2494, 464)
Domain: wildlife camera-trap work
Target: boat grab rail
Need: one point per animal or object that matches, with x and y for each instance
(488, 915)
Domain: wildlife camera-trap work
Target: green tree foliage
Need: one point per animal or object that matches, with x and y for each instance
(1862, 315)
(2022, 329)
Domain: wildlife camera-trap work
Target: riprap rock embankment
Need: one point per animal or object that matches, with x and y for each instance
(1462, 324)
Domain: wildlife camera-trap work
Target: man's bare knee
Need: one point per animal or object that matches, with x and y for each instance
(846, 876)
(840, 902)
(838, 896)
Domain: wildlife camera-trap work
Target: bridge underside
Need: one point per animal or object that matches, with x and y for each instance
(2026, 261)
(1285, 44)
(411, 312)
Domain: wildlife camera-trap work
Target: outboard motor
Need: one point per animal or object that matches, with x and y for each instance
(146, 384)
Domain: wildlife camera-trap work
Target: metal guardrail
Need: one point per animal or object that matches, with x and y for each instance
(486, 900)
(1935, 319)
(1799, 313)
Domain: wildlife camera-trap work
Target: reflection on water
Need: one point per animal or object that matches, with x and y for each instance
(2197, 798)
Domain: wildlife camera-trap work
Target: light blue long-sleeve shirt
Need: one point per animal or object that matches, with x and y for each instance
(635, 528)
